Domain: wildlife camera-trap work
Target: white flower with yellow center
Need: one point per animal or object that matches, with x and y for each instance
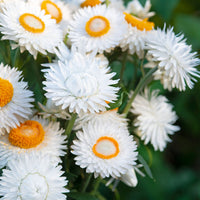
(80, 84)
(99, 28)
(15, 99)
(58, 10)
(110, 115)
(32, 177)
(37, 135)
(135, 7)
(29, 28)
(105, 149)
(154, 119)
(176, 62)
(134, 39)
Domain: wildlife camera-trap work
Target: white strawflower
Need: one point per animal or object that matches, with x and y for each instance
(29, 28)
(105, 149)
(80, 84)
(58, 10)
(32, 177)
(98, 28)
(36, 135)
(136, 8)
(15, 99)
(134, 39)
(154, 119)
(176, 62)
(107, 116)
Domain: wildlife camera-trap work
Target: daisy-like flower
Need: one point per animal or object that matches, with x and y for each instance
(110, 115)
(29, 28)
(15, 99)
(36, 135)
(80, 84)
(58, 10)
(32, 177)
(136, 8)
(99, 28)
(175, 61)
(134, 39)
(154, 119)
(105, 149)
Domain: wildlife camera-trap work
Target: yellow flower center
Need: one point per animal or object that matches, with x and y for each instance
(138, 23)
(27, 135)
(32, 23)
(6, 92)
(97, 26)
(106, 148)
(91, 3)
(52, 9)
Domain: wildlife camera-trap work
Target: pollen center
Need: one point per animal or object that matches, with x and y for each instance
(27, 135)
(32, 23)
(6, 92)
(52, 9)
(106, 148)
(138, 23)
(97, 26)
(91, 3)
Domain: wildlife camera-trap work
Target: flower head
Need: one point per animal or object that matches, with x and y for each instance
(29, 27)
(80, 84)
(15, 99)
(32, 177)
(105, 149)
(99, 28)
(176, 62)
(154, 119)
(36, 135)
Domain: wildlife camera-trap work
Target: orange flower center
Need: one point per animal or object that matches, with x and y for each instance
(106, 148)
(97, 26)
(52, 9)
(140, 24)
(27, 135)
(91, 3)
(32, 23)
(6, 92)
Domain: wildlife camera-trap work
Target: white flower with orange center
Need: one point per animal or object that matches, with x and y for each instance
(29, 28)
(154, 119)
(37, 135)
(80, 84)
(32, 177)
(105, 149)
(134, 40)
(98, 28)
(15, 99)
(175, 60)
(57, 9)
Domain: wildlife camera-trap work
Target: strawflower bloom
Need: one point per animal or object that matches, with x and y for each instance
(154, 119)
(32, 177)
(105, 149)
(15, 99)
(176, 63)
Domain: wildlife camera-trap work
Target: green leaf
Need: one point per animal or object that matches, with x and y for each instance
(146, 166)
(81, 196)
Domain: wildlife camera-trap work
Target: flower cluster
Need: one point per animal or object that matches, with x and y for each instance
(84, 98)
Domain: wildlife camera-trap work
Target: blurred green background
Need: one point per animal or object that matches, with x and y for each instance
(176, 171)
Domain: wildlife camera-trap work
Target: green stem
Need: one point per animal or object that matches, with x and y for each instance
(96, 185)
(143, 82)
(107, 2)
(142, 67)
(86, 182)
(70, 124)
(123, 67)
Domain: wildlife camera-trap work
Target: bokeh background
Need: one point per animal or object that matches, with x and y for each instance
(176, 171)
